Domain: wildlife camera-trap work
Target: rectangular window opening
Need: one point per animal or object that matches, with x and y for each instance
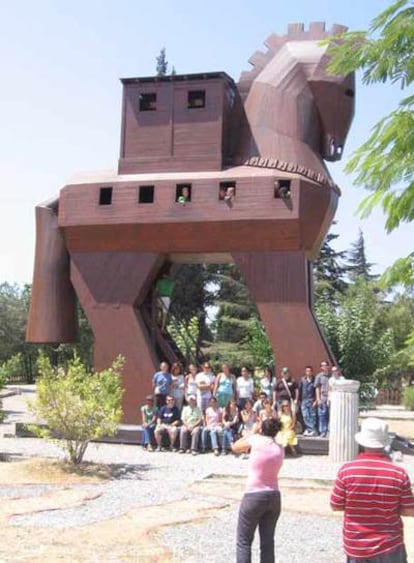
(146, 194)
(183, 193)
(147, 102)
(196, 99)
(105, 196)
(227, 191)
(282, 189)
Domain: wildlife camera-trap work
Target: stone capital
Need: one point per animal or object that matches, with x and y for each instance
(345, 385)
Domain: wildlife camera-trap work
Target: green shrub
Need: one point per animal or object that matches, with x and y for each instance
(408, 398)
(77, 406)
(12, 367)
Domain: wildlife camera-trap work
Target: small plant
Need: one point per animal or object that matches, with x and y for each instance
(408, 398)
(77, 406)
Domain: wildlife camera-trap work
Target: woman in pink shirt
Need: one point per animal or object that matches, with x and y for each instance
(260, 505)
(213, 426)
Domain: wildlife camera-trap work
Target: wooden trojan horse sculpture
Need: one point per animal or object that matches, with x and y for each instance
(209, 171)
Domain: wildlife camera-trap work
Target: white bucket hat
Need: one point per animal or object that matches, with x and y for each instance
(373, 434)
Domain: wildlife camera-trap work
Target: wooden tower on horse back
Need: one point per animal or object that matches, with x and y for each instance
(210, 171)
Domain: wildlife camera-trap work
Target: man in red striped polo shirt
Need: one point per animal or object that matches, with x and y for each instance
(374, 494)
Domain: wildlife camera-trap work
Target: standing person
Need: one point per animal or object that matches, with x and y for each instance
(177, 384)
(161, 381)
(307, 395)
(261, 504)
(149, 418)
(373, 493)
(205, 384)
(224, 386)
(286, 389)
(336, 375)
(191, 382)
(267, 384)
(244, 388)
(322, 395)
(192, 420)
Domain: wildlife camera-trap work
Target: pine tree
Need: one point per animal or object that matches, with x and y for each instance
(328, 271)
(234, 317)
(358, 266)
(162, 63)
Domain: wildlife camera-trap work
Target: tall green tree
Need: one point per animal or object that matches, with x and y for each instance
(190, 299)
(328, 271)
(361, 344)
(14, 309)
(236, 311)
(384, 163)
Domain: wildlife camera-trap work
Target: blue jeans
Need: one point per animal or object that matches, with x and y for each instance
(228, 437)
(309, 415)
(398, 556)
(258, 509)
(323, 418)
(148, 436)
(216, 437)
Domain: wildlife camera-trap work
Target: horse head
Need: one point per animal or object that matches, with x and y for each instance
(295, 110)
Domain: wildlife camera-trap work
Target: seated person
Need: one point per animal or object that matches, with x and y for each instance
(259, 404)
(168, 420)
(287, 435)
(213, 427)
(248, 418)
(231, 423)
(192, 420)
(268, 411)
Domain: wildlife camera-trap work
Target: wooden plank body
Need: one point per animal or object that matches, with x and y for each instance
(110, 234)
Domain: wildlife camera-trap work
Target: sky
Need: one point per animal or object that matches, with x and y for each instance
(60, 95)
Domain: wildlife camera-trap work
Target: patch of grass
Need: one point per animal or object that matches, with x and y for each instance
(39, 470)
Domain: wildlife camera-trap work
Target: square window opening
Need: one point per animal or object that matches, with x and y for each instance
(227, 191)
(146, 194)
(105, 196)
(282, 189)
(196, 99)
(148, 102)
(183, 193)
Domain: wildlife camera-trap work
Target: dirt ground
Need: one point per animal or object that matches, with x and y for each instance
(131, 536)
(401, 427)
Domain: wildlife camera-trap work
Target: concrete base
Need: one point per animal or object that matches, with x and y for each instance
(132, 434)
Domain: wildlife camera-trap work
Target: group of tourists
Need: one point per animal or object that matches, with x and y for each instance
(199, 411)
(371, 490)
(188, 412)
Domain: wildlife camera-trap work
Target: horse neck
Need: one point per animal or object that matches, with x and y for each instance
(282, 121)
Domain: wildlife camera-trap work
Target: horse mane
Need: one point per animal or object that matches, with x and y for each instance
(295, 32)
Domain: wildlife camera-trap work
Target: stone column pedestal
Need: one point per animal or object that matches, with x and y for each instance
(343, 420)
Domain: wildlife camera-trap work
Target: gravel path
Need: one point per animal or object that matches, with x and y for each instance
(298, 539)
(145, 479)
